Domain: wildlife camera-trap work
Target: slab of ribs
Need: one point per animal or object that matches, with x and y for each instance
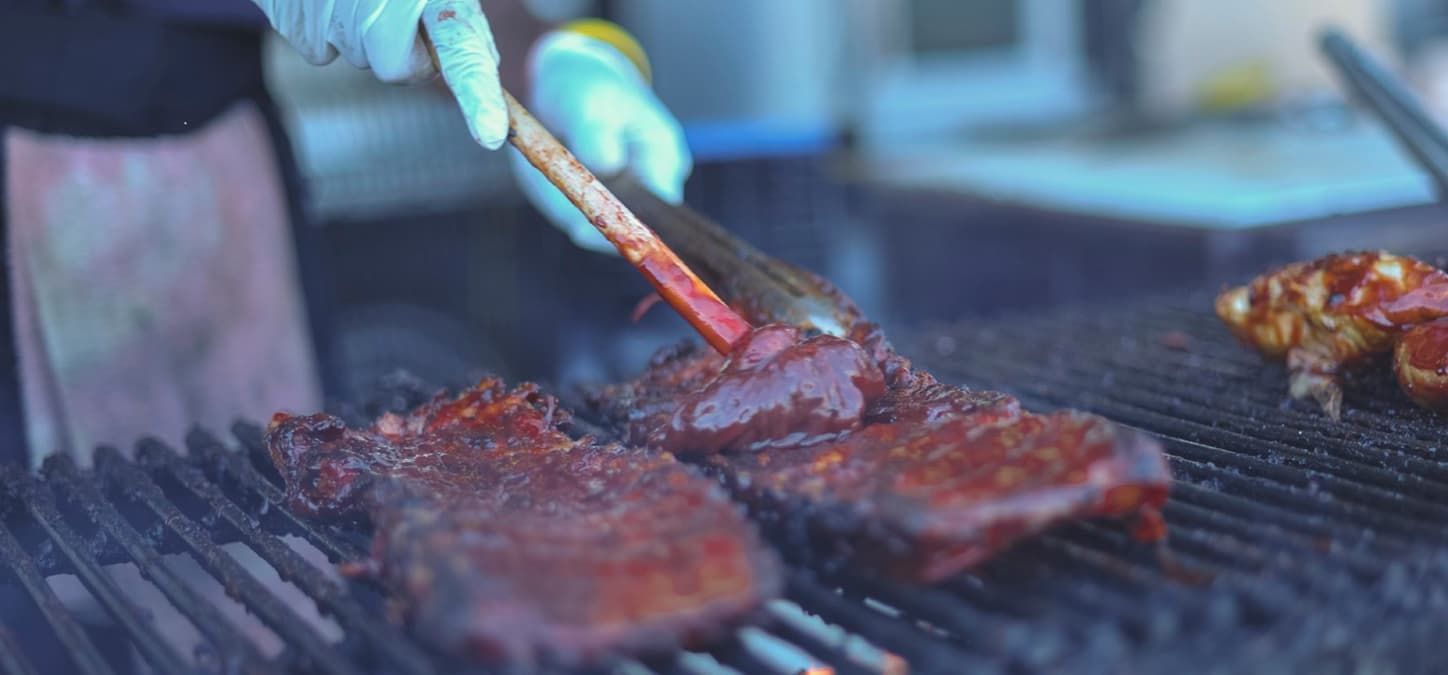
(503, 538)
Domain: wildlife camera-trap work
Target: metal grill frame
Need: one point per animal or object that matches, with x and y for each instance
(1325, 540)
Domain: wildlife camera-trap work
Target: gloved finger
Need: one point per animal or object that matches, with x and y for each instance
(349, 20)
(658, 155)
(390, 42)
(296, 23)
(560, 212)
(469, 59)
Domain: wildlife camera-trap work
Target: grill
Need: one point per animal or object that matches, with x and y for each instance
(1325, 543)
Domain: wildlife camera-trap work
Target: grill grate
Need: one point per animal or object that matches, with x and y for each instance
(1325, 541)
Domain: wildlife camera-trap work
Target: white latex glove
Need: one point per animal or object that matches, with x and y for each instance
(385, 36)
(598, 103)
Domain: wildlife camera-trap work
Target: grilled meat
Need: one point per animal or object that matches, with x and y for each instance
(778, 389)
(922, 481)
(1332, 313)
(935, 478)
(1420, 362)
(503, 538)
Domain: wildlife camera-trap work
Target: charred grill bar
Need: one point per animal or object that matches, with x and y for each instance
(1326, 543)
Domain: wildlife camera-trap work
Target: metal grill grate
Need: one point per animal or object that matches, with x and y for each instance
(1326, 542)
(1328, 539)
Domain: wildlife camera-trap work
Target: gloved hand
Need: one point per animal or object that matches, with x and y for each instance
(590, 88)
(384, 35)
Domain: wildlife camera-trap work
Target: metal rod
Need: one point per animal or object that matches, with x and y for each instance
(230, 647)
(12, 658)
(268, 607)
(924, 651)
(148, 641)
(1394, 104)
(83, 653)
(379, 636)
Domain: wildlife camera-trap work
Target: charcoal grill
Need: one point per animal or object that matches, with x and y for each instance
(1326, 544)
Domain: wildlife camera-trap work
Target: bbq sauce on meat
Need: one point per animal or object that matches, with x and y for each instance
(1420, 362)
(502, 538)
(1326, 315)
(926, 480)
(776, 389)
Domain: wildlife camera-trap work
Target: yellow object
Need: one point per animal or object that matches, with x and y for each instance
(615, 36)
(1236, 87)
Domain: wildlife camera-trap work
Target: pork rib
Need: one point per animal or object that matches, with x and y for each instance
(936, 479)
(503, 538)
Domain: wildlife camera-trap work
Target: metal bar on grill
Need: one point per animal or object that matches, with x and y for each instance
(1244, 513)
(12, 658)
(83, 652)
(1393, 102)
(852, 653)
(148, 641)
(926, 652)
(272, 611)
(377, 635)
(737, 654)
(240, 653)
(693, 663)
(969, 625)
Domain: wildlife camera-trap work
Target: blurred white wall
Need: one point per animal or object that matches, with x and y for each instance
(1194, 50)
(742, 59)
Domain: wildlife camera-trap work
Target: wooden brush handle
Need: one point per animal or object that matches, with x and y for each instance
(639, 245)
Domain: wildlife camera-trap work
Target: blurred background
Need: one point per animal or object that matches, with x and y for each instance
(937, 159)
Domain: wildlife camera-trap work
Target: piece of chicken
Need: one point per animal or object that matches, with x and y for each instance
(1333, 312)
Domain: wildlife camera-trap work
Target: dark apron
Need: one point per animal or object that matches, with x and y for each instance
(94, 72)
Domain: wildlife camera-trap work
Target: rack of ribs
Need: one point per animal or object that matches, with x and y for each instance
(500, 537)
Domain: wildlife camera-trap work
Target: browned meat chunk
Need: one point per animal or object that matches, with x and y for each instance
(1334, 312)
(927, 480)
(503, 538)
(776, 389)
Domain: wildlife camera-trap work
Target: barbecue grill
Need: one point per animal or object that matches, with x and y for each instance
(1297, 544)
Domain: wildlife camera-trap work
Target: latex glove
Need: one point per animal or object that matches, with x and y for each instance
(598, 102)
(384, 36)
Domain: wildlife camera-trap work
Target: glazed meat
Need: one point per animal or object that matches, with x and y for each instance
(912, 477)
(777, 389)
(502, 538)
(1325, 315)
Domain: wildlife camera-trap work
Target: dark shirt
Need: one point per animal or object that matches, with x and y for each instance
(126, 67)
(234, 13)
